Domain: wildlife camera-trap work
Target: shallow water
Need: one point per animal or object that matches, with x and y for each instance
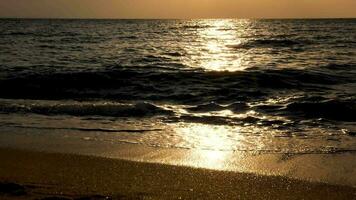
(263, 86)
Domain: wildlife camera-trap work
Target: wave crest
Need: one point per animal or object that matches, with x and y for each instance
(87, 109)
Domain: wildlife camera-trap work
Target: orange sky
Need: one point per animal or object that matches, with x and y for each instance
(177, 8)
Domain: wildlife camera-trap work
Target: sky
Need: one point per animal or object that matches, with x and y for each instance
(178, 8)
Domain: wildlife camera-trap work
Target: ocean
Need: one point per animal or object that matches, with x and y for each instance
(225, 85)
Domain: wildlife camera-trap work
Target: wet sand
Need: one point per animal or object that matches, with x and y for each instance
(34, 175)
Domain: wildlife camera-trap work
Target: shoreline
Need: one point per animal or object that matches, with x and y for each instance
(335, 169)
(75, 176)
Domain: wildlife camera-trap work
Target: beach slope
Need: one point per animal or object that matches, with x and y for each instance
(35, 175)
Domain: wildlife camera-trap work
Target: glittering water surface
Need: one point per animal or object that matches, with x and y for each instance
(276, 86)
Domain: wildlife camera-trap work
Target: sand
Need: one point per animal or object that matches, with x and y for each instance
(38, 175)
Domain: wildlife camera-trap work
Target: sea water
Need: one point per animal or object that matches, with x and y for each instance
(261, 86)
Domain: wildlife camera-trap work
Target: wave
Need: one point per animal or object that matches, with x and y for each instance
(41, 34)
(316, 108)
(15, 34)
(235, 107)
(340, 110)
(87, 109)
(138, 110)
(88, 129)
(339, 66)
(196, 26)
(175, 54)
(178, 86)
(219, 120)
(128, 37)
(268, 43)
(207, 107)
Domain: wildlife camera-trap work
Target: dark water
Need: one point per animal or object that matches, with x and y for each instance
(253, 85)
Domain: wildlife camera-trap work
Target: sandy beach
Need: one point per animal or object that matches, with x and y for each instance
(38, 175)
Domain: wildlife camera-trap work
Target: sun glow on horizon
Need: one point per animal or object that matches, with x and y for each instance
(177, 9)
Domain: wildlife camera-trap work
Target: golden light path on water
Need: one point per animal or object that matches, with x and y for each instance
(214, 147)
(217, 55)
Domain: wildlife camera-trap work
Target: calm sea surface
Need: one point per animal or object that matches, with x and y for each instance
(277, 86)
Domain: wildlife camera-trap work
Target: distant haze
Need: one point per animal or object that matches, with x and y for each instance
(178, 8)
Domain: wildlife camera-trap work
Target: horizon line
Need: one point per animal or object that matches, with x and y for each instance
(252, 18)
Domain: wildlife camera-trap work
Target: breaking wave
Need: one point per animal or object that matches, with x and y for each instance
(86, 109)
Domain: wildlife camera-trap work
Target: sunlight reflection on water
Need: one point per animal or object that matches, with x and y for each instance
(208, 137)
(215, 54)
(213, 140)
